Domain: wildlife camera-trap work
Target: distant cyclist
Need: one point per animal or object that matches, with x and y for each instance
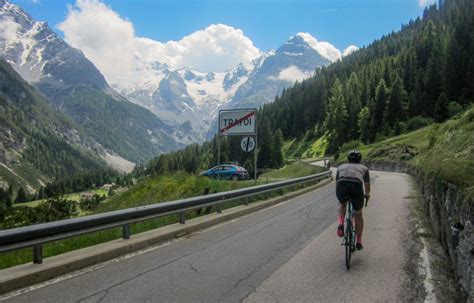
(349, 179)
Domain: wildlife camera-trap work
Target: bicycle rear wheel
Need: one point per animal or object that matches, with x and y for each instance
(348, 244)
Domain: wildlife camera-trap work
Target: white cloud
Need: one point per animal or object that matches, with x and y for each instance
(9, 30)
(109, 41)
(292, 74)
(325, 49)
(349, 50)
(424, 3)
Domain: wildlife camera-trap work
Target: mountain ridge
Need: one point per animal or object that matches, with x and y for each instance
(37, 143)
(65, 76)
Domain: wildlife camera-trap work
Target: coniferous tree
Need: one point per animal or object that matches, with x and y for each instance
(378, 109)
(277, 158)
(396, 101)
(441, 111)
(5, 199)
(265, 142)
(41, 193)
(353, 104)
(363, 123)
(21, 196)
(336, 118)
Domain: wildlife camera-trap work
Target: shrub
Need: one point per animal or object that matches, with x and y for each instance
(91, 204)
(454, 108)
(418, 122)
(354, 144)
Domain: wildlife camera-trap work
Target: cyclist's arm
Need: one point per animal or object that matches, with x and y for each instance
(367, 184)
(367, 188)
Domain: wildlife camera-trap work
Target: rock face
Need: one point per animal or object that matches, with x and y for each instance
(293, 61)
(450, 211)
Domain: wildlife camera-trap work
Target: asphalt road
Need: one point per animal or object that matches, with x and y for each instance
(286, 253)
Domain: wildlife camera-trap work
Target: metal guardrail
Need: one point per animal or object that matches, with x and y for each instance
(37, 235)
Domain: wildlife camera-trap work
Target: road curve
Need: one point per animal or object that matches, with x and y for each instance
(286, 253)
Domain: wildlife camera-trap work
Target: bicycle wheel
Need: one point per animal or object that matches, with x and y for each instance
(348, 244)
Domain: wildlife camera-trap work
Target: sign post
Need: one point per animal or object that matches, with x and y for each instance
(234, 122)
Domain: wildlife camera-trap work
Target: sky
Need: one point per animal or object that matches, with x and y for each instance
(212, 35)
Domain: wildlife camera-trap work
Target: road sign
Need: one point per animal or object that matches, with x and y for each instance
(237, 122)
(247, 144)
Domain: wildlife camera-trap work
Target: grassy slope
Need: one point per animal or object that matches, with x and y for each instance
(445, 150)
(181, 185)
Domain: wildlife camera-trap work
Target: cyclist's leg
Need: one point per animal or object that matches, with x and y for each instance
(358, 203)
(342, 196)
(359, 224)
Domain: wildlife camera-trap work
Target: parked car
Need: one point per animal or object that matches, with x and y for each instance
(227, 171)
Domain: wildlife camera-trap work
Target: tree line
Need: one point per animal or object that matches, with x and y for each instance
(81, 182)
(195, 158)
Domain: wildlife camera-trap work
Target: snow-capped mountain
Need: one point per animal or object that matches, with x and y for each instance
(184, 100)
(190, 100)
(77, 88)
(293, 61)
(39, 55)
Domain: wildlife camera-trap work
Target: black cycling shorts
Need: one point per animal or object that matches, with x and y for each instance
(346, 190)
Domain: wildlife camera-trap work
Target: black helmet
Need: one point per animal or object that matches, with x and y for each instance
(354, 156)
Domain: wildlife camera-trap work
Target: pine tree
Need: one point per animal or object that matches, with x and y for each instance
(5, 199)
(277, 157)
(353, 104)
(441, 111)
(396, 101)
(336, 118)
(21, 196)
(378, 109)
(265, 142)
(363, 123)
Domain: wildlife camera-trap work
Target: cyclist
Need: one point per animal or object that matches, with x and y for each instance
(349, 179)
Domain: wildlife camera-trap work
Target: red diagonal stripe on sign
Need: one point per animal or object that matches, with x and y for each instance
(237, 122)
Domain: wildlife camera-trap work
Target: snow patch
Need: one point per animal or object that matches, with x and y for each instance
(325, 49)
(293, 54)
(349, 50)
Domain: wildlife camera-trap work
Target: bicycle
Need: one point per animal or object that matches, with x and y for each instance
(349, 240)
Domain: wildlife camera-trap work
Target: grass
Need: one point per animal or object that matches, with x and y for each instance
(318, 148)
(444, 150)
(156, 190)
(74, 197)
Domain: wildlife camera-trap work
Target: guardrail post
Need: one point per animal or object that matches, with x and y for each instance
(126, 232)
(182, 217)
(219, 208)
(38, 254)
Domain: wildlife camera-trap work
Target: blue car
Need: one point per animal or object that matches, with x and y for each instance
(228, 172)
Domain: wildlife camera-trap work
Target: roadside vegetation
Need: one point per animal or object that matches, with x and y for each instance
(445, 150)
(167, 187)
